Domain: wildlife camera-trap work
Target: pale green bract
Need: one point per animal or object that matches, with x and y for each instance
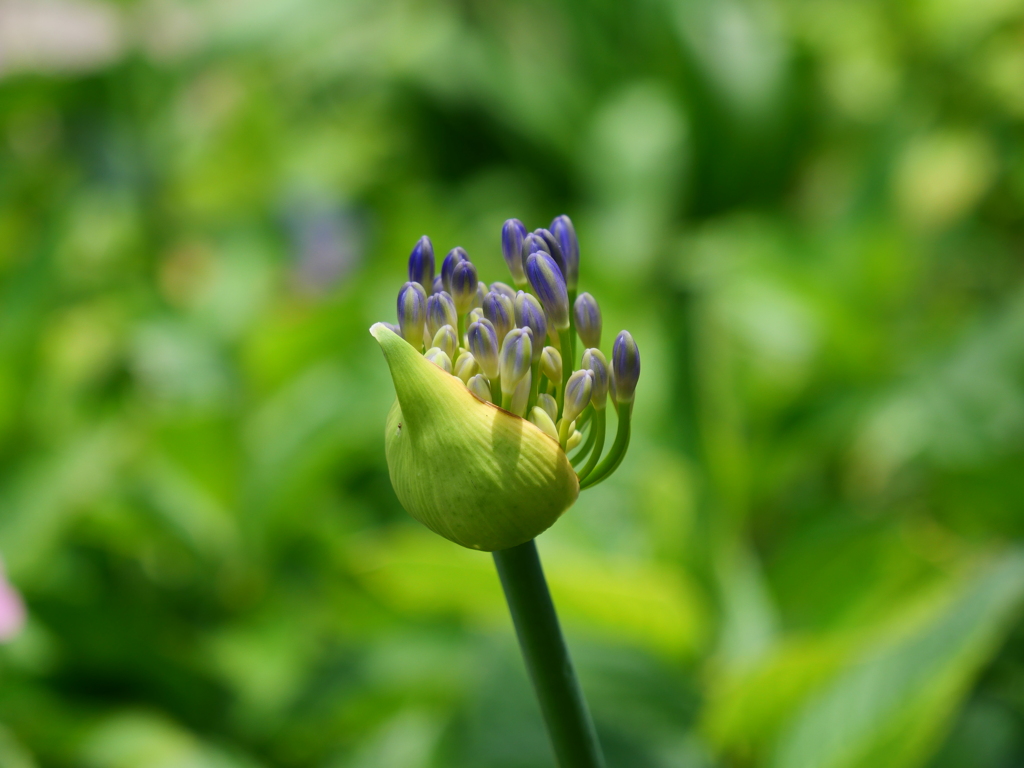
(468, 470)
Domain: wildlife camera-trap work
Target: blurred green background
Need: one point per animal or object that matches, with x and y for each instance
(808, 212)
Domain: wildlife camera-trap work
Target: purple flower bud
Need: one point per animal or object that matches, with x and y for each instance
(588, 320)
(438, 284)
(499, 310)
(577, 394)
(551, 365)
(412, 312)
(478, 297)
(530, 314)
(533, 243)
(514, 360)
(483, 344)
(626, 366)
(447, 340)
(512, 234)
(549, 404)
(553, 248)
(466, 367)
(464, 282)
(549, 286)
(480, 387)
(565, 234)
(421, 264)
(455, 255)
(594, 361)
(440, 312)
(393, 328)
(506, 290)
(476, 313)
(439, 358)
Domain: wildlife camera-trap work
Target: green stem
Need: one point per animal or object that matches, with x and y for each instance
(572, 324)
(565, 341)
(540, 638)
(580, 457)
(618, 450)
(598, 428)
(496, 391)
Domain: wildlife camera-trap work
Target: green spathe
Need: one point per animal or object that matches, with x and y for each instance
(466, 469)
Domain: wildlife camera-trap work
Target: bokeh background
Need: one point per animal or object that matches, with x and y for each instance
(808, 212)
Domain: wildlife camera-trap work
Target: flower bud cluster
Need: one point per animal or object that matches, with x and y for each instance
(516, 347)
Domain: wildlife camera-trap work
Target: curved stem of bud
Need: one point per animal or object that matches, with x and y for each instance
(597, 429)
(547, 658)
(618, 450)
(565, 340)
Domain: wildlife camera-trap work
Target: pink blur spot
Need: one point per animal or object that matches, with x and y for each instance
(12, 612)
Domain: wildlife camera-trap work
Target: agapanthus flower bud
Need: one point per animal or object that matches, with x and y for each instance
(412, 312)
(476, 313)
(506, 290)
(478, 297)
(533, 243)
(438, 284)
(483, 344)
(393, 328)
(549, 286)
(439, 358)
(514, 361)
(447, 340)
(577, 394)
(553, 248)
(594, 361)
(530, 314)
(466, 366)
(512, 234)
(626, 366)
(455, 256)
(440, 312)
(565, 234)
(542, 419)
(549, 404)
(464, 282)
(574, 440)
(551, 365)
(421, 264)
(521, 395)
(480, 387)
(588, 320)
(499, 310)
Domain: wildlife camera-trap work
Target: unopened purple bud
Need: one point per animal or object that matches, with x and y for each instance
(588, 320)
(577, 394)
(506, 290)
(440, 312)
(594, 361)
(476, 313)
(480, 387)
(412, 311)
(438, 284)
(533, 243)
(483, 344)
(516, 355)
(455, 255)
(530, 314)
(464, 282)
(565, 234)
(551, 365)
(549, 286)
(466, 367)
(393, 328)
(421, 264)
(478, 297)
(439, 358)
(499, 310)
(447, 340)
(512, 234)
(626, 366)
(553, 248)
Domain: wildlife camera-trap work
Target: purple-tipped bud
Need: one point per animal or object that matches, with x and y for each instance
(540, 418)
(412, 312)
(512, 234)
(455, 255)
(506, 290)
(514, 360)
(447, 340)
(393, 328)
(588, 320)
(464, 282)
(521, 395)
(551, 365)
(553, 248)
(530, 314)
(549, 404)
(438, 284)
(626, 366)
(480, 387)
(549, 286)
(466, 367)
(594, 361)
(577, 394)
(440, 312)
(565, 234)
(533, 243)
(421, 264)
(483, 343)
(478, 297)
(476, 313)
(439, 358)
(499, 310)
